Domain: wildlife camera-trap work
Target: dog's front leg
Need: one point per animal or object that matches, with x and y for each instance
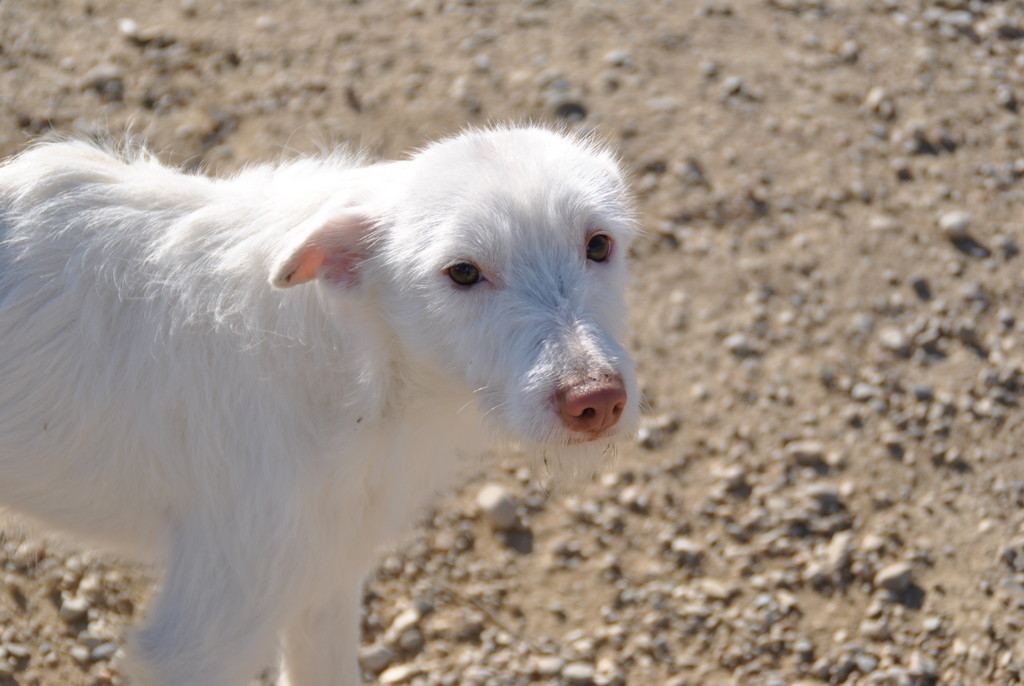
(320, 642)
(224, 596)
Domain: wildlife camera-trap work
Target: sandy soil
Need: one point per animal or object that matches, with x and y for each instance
(828, 487)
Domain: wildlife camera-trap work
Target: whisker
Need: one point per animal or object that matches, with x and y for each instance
(495, 407)
(482, 388)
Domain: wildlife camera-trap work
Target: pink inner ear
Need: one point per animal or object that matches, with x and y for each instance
(334, 264)
(338, 266)
(331, 253)
(307, 265)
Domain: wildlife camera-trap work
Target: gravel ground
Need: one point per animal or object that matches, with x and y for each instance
(828, 484)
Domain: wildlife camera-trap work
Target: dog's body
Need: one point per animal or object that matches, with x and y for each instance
(158, 393)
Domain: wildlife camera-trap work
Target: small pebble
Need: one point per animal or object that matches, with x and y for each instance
(81, 654)
(578, 672)
(619, 58)
(411, 641)
(376, 657)
(955, 224)
(896, 577)
(498, 507)
(806, 453)
(884, 223)
(128, 28)
(104, 651)
(74, 609)
(265, 22)
(921, 666)
(398, 674)
(866, 663)
(740, 345)
(548, 666)
(894, 339)
(664, 104)
(875, 629)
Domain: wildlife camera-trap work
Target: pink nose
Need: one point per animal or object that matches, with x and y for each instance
(592, 407)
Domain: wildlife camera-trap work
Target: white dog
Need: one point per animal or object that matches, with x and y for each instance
(254, 380)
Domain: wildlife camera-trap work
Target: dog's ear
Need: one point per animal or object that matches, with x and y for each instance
(330, 249)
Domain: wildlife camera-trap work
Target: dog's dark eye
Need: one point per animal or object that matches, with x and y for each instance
(464, 273)
(599, 247)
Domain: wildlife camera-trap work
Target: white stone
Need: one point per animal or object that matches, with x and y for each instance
(619, 58)
(498, 507)
(955, 224)
(549, 665)
(74, 609)
(578, 672)
(896, 577)
(375, 658)
(81, 654)
(884, 223)
(399, 674)
(128, 27)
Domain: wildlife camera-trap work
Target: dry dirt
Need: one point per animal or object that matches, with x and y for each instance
(826, 314)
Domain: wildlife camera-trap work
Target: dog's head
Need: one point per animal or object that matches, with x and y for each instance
(499, 258)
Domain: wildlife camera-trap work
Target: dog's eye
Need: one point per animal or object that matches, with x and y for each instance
(464, 273)
(599, 247)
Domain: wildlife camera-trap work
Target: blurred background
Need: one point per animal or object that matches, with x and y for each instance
(827, 488)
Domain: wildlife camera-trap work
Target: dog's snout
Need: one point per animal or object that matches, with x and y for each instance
(593, 406)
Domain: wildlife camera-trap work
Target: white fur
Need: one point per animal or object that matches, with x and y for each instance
(159, 394)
